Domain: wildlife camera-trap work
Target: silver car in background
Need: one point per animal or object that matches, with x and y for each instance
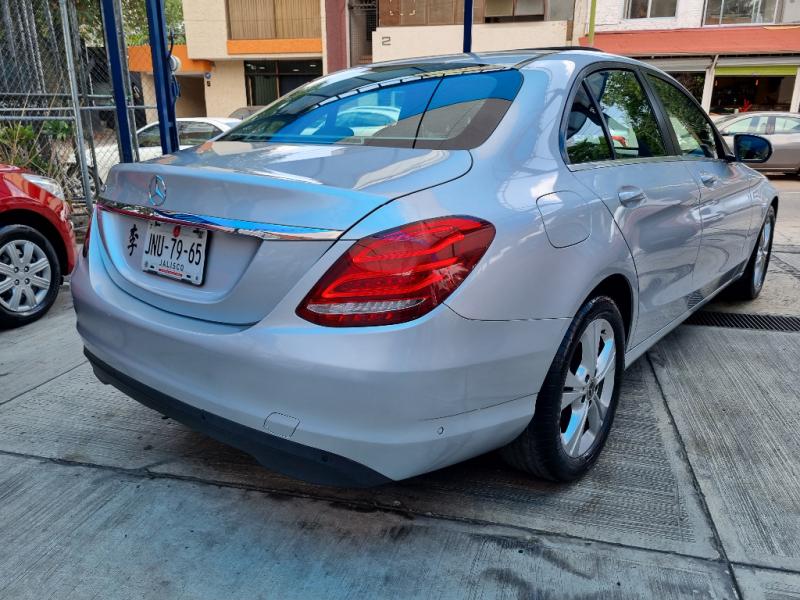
(782, 129)
(357, 302)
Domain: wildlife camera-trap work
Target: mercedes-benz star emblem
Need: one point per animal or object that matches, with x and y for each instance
(158, 191)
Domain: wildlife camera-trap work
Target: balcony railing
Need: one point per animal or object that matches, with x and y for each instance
(273, 19)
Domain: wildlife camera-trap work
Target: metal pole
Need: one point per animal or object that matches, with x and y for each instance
(117, 81)
(76, 106)
(467, 26)
(162, 74)
(592, 16)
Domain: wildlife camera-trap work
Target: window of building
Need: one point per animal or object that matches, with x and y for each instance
(585, 139)
(787, 125)
(499, 11)
(268, 80)
(650, 9)
(749, 125)
(271, 19)
(629, 117)
(741, 12)
(694, 131)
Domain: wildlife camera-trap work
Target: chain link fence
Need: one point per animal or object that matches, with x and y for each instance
(57, 112)
(39, 125)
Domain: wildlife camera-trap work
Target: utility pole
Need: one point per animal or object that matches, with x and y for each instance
(467, 26)
(592, 15)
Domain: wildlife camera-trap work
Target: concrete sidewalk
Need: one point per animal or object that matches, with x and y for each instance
(696, 495)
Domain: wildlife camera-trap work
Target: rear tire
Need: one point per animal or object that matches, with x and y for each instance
(751, 282)
(576, 405)
(30, 275)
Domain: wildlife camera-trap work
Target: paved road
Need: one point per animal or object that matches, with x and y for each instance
(696, 495)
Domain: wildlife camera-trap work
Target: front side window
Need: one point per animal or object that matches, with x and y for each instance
(585, 139)
(629, 117)
(499, 11)
(787, 125)
(749, 125)
(649, 9)
(694, 131)
(417, 106)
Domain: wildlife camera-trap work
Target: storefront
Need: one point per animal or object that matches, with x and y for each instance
(752, 88)
(729, 69)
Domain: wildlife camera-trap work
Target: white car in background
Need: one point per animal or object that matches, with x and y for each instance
(192, 131)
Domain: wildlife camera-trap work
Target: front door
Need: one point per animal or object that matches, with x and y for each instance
(726, 206)
(653, 198)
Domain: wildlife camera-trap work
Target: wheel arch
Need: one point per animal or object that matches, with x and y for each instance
(617, 287)
(43, 226)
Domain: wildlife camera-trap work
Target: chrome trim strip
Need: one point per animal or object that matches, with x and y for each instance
(264, 231)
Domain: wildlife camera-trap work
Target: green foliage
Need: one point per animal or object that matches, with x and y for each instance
(43, 148)
(134, 17)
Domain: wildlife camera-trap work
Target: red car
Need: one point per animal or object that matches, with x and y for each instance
(37, 245)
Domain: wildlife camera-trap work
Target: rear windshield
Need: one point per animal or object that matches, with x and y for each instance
(425, 106)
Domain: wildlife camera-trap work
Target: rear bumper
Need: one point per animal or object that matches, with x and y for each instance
(284, 456)
(397, 400)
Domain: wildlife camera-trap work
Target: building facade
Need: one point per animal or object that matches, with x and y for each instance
(733, 55)
(412, 28)
(258, 50)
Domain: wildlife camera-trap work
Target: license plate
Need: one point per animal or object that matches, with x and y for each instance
(175, 251)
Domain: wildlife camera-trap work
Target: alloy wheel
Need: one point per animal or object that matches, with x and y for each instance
(588, 388)
(25, 276)
(762, 253)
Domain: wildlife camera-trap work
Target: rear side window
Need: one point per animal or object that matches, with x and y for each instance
(586, 140)
(749, 125)
(787, 125)
(629, 117)
(149, 137)
(692, 127)
(447, 109)
(192, 133)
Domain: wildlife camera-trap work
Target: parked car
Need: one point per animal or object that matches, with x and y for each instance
(37, 245)
(782, 129)
(352, 309)
(192, 131)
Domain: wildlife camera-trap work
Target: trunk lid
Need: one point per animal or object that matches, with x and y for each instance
(313, 192)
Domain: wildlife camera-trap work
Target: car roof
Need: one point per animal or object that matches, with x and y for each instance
(516, 58)
(762, 113)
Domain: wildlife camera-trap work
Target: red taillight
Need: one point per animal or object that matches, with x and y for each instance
(398, 275)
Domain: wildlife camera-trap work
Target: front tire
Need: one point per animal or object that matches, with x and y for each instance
(576, 405)
(751, 282)
(30, 275)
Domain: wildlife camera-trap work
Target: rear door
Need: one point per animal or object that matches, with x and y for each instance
(785, 138)
(618, 148)
(726, 206)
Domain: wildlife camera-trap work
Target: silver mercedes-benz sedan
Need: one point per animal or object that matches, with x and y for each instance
(400, 266)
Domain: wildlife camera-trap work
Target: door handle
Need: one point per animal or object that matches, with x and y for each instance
(708, 179)
(630, 195)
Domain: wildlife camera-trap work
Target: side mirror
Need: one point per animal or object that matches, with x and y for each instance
(751, 148)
